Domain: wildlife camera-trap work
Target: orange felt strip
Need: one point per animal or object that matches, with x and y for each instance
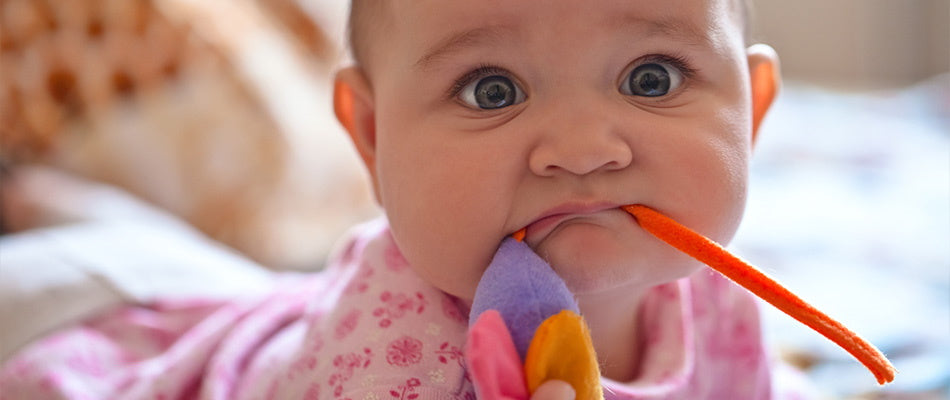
(519, 235)
(747, 276)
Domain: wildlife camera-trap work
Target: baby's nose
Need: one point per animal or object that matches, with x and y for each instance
(580, 143)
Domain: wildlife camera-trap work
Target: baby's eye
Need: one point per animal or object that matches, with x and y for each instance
(652, 79)
(491, 92)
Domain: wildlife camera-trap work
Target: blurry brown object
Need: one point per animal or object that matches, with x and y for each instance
(291, 15)
(171, 100)
(63, 61)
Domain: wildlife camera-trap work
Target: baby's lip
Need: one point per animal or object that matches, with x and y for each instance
(549, 220)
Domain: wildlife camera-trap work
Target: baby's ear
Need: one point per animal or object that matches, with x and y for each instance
(355, 108)
(765, 81)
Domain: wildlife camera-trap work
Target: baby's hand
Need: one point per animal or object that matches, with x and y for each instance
(554, 390)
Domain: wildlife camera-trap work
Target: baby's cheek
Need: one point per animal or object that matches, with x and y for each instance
(448, 210)
(711, 175)
(450, 255)
(454, 274)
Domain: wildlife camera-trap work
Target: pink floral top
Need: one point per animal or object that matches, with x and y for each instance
(367, 328)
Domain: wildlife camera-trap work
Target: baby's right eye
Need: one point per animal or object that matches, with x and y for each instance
(491, 92)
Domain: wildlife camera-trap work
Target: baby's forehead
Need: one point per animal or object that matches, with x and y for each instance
(386, 19)
(378, 28)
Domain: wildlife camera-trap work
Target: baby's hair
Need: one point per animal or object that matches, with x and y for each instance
(368, 17)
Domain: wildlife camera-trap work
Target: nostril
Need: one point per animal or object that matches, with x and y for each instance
(581, 160)
(579, 167)
(613, 165)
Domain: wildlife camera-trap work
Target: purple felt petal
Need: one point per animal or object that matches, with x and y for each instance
(524, 289)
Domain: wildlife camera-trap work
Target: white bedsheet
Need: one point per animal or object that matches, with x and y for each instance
(55, 276)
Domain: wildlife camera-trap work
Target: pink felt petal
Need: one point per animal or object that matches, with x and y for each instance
(493, 362)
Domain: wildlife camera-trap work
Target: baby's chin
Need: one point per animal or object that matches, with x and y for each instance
(592, 258)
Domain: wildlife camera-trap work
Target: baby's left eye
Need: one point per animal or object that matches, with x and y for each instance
(491, 92)
(653, 79)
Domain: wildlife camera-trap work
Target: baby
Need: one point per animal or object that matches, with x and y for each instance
(475, 120)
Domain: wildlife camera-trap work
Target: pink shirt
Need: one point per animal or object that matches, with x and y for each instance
(367, 328)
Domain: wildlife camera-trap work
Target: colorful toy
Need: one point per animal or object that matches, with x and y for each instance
(523, 311)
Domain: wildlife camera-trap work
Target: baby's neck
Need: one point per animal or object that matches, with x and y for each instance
(613, 321)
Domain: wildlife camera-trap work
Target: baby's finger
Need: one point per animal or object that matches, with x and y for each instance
(554, 390)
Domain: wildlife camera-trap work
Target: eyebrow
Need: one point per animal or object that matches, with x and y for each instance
(677, 29)
(462, 40)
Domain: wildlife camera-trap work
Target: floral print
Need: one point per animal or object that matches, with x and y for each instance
(404, 351)
(407, 391)
(396, 306)
(347, 325)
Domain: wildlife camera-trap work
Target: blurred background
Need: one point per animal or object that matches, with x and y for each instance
(850, 194)
(857, 44)
(219, 111)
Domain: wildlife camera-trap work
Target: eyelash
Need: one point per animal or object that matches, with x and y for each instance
(475, 74)
(679, 61)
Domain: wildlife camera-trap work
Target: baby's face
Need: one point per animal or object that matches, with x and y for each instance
(492, 116)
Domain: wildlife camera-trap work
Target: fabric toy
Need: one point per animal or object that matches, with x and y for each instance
(520, 291)
(523, 311)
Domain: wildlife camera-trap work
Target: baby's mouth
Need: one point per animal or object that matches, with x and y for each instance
(558, 217)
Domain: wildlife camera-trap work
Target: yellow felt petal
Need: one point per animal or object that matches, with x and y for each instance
(562, 349)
